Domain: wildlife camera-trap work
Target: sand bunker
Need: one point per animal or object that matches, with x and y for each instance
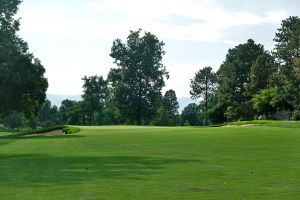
(50, 133)
(240, 125)
(249, 125)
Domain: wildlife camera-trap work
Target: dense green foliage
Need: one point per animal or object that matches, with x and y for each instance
(94, 94)
(286, 52)
(265, 102)
(153, 163)
(233, 76)
(170, 103)
(139, 77)
(14, 120)
(192, 115)
(132, 92)
(167, 114)
(253, 83)
(73, 112)
(22, 82)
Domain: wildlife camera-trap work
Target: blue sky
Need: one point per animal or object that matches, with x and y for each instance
(73, 38)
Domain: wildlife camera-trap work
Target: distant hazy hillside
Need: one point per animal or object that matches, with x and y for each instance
(57, 99)
(183, 102)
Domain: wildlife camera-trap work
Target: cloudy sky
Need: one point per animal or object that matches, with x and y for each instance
(73, 38)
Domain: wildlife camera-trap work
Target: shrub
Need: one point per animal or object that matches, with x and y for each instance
(14, 121)
(296, 115)
(69, 130)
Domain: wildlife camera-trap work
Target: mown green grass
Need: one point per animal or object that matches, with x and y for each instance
(153, 163)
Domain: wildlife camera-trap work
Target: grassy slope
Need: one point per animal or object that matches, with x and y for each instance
(270, 123)
(153, 163)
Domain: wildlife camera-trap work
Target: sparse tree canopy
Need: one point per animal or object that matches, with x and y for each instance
(139, 77)
(203, 86)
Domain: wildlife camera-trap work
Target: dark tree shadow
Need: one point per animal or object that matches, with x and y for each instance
(3, 142)
(23, 137)
(31, 169)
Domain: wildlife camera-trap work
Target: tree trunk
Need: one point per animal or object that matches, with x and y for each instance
(206, 103)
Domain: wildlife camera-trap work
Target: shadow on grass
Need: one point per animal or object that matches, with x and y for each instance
(3, 142)
(8, 139)
(38, 170)
(52, 137)
(23, 137)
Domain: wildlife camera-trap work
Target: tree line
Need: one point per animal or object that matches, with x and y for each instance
(22, 82)
(251, 83)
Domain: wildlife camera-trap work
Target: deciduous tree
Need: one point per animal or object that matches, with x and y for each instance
(192, 115)
(22, 82)
(95, 91)
(139, 77)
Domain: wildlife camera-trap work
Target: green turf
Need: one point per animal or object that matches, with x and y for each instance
(153, 163)
(271, 123)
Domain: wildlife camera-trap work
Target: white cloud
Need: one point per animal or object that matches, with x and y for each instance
(183, 73)
(214, 18)
(52, 19)
(60, 23)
